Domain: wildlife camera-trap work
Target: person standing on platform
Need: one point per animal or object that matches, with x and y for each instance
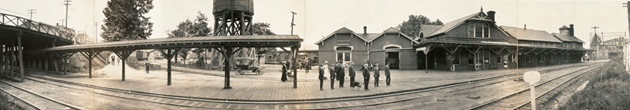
(321, 77)
(146, 65)
(387, 74)
(376, 74)
(341, 75)
(366, 75)
(352, 73)
(284, 72)
(307, 65)
(332, 73)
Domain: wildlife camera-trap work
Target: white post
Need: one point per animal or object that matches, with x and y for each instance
(532, 77)
(533, 96)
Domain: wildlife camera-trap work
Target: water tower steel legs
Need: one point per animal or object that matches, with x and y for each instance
(232, 23)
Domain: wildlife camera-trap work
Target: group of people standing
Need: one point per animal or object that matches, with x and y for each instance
(337, 72)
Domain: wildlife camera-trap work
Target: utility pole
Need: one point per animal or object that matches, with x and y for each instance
(623, 51)
(31, 12)
(595, 33)
(292, 21)
(67, 3)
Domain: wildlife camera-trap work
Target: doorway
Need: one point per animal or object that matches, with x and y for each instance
(393, 59)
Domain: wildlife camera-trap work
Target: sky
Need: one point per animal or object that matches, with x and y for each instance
(317, 18)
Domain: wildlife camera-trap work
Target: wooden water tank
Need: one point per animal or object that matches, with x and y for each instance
(221, 6)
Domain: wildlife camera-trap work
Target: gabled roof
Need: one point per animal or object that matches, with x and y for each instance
(369, 36)
(341, 30)
(429, 29)
(530, 34)
(567, 38)
(393, 30)
(450, 25)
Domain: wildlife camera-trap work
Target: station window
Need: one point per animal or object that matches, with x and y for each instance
(344, 54)
(479, 30)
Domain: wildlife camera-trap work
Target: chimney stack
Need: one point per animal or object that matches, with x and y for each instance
(491, 15)
(571, 30)
(364, 29)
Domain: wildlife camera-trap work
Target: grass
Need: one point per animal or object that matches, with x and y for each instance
(608, 91)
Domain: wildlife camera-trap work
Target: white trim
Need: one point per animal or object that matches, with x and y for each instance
(391, 45)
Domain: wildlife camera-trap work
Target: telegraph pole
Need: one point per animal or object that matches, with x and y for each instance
(31, 12)
(67, 3)
(292, 21)
(623, 51)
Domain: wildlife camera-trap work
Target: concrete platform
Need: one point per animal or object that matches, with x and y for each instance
(268, 87)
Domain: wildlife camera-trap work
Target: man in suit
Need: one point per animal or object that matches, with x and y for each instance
(321, 77)
(376, 74)
(331, 68)
(366, 75)
(340, 73)
(352, 73)
(387, 74)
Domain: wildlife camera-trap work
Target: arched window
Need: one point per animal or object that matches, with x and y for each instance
(344, 54)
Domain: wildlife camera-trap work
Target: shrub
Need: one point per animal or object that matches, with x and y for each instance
(608, 91)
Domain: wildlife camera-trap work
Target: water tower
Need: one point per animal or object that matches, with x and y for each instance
(233, 17)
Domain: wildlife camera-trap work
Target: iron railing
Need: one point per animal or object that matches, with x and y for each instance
(16, 21)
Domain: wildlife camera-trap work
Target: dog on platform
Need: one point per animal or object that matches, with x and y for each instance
(355, 84)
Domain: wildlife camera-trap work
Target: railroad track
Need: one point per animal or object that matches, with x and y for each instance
(34, 100)
(520, 98)
(198, 102)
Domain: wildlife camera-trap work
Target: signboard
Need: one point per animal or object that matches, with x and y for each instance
(531, 77)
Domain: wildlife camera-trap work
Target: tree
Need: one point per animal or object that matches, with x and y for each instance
(412, 25)
(126, 20)
(262, 28)
(197, 28)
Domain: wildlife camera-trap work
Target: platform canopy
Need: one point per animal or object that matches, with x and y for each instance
(188, 42)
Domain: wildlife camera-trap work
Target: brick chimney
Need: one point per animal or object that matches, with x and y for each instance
(491, 15)
(571, 30)
(364, 29)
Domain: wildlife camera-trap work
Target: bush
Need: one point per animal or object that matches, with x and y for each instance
(608, 91)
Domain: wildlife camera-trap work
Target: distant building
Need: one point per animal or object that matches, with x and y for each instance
(608, 49)
(83, 38)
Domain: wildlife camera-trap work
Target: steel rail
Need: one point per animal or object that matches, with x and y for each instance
(21, 100)
(526, 89)
(41, 96)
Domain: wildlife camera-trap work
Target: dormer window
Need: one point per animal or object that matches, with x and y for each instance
(479, 30)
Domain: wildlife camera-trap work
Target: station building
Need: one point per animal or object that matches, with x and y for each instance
(390, 46)
(473, 42)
